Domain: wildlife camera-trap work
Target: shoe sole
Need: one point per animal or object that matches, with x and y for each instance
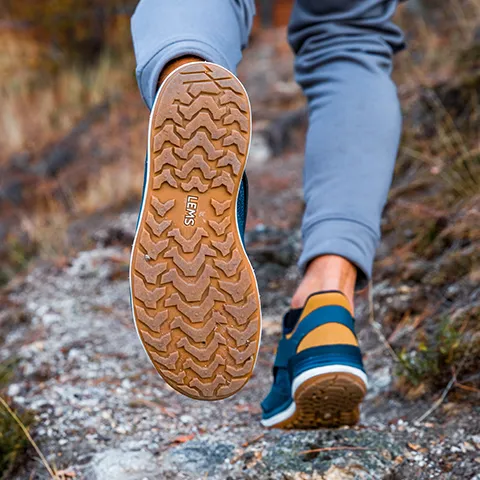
(326, 400)
(195, 298)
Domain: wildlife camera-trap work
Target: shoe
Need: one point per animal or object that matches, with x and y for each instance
(319, 379)
(194, 294)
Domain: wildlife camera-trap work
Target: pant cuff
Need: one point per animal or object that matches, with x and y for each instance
(148, 74)
(346, 238)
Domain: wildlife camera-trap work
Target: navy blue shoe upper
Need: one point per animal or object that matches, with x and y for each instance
(289, 363)
(242, 206)
(280, 396)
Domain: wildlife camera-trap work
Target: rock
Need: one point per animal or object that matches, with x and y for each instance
(119, 231)
(21, 160)
(260, 151)
(94, 263)
(123, 465)
(198, 457)
(14, 389)
(335, 473)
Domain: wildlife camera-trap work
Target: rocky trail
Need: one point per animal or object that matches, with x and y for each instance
(104, 413)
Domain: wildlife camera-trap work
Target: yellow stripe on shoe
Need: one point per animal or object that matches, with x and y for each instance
(319, 300)
(329, 334)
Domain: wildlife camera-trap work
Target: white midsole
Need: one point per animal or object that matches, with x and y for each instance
(280, 417)
(302, 378)
(314, 372)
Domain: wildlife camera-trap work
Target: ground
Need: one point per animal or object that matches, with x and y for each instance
(104, 413)
(99, 409)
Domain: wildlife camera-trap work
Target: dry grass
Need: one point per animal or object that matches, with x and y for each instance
(47, 228)
(47, 231)
(432, 218)
(13, 442)
(436, 32)
(42, 99)
(46, 92)
(32, 117)
(111, 188)
(441, 138)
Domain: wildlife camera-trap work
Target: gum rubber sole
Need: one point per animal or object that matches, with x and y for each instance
(326, 401)
(195, 298)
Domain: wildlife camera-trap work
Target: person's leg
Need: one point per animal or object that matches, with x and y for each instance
(326, 273)
(162, 30)
(344, 51)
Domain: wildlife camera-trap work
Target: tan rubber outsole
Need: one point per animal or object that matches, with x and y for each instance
(326, 401)
(194, 294)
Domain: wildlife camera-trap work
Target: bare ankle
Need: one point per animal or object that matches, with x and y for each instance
(328, 272)
(175, 63)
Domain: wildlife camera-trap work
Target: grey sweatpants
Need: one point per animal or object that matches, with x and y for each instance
(344, 52)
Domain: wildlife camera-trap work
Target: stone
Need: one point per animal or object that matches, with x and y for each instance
(197, 456)
(123, 465)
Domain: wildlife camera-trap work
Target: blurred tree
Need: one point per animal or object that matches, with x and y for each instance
(77, 29)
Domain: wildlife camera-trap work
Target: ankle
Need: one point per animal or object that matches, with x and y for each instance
(175, 63)
(328, 272)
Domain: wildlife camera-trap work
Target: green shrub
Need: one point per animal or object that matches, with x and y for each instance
(13, 442)
(435, 356)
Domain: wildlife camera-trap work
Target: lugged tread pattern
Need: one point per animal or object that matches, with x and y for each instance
(153, 323)
(195, 298)
(230, 268)
(325, 401)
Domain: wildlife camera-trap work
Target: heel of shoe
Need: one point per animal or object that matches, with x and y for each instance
(329, 400)
(327, 359)
(328, 385)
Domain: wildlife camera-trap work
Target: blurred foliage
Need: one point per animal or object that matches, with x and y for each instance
(13, 442)
(6, 372)
(59, 58)
(431, 356)
(17, 258)
(452, 343)
(78, 30)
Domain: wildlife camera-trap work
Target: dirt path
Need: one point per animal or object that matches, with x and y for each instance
(104, 413)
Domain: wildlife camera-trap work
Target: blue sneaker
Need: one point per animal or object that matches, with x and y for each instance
(194, 295)
(319, 379)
